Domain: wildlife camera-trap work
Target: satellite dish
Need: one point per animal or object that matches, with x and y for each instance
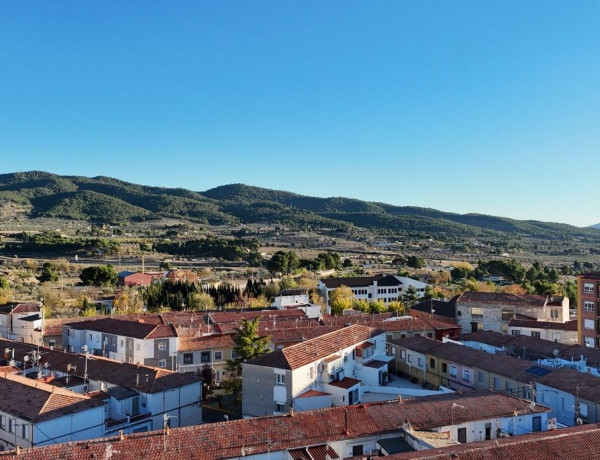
(579, 421)
(532, 405)
(555, 352)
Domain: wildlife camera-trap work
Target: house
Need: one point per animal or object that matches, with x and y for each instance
(385, 288)
(134, 279)
(571, 394)
(212, 350)
(588, 309)
(577, 443)
(33, 413)
(342, 364)
(333, 432)
(21, 321)
(492, 311)
(440, 310)
(124, 340)
(136, 397)
(547, 330)
(296, 298)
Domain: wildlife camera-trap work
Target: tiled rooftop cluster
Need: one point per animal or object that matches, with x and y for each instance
(292, 431)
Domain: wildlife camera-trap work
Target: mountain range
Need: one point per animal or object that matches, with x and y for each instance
(105, 199)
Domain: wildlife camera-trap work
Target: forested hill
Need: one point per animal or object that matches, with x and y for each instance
(104, 199)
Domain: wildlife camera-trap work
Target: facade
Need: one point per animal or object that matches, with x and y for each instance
(463, 368)
(296, 298)
(342, 364)
(22, 322)
(126, 341)
(588, 308)
(385, 288)
(492, 311)
(136, 397)
(365, 430)
(546, 330)
(35, 414)
(212, 350)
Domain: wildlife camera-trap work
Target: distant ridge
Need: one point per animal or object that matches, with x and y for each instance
(105, 199)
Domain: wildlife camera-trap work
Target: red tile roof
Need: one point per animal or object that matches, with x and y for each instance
(345, 383)
(137, 329)
(259, 435)
(312, 394)
(533, 324)
(206, 343)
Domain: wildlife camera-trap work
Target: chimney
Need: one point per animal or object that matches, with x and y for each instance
(17, 450)
(167, 429)
(291, 411)
(399, 399)
(121, 435)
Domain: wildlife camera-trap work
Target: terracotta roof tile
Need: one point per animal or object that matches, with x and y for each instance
(259, 435)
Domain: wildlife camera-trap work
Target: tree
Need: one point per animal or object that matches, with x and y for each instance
(340, 299)
(255, 259)
(396, 306)
(347, 263)
(128, 301)
(248, 345)
(329, 260)
(164, 265)
(377, 306)
(410, 296)
(48, 273)
(201, 301)
(415, 262)
(360, 305)
(460, 273)
(207, 374)
(5, 292)
(99, 276)
(283, 262)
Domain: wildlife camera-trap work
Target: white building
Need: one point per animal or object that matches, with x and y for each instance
(22, 322)
(385, 288)
(296, 298)
(340, 366)
(33, 414)
(123, 340)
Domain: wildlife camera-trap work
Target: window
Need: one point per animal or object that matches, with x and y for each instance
(444, 368)
(536, 334)
(162, 345)
(476, 311)
(130, 360)
(583, 409)
(515, 332)
(357, 450)
(25, 431)
(91, 337)
(588, 324)
(588, 306)
(51, 343)
(480, 377)
(453, 370)
(3, 422)
(431, 363)
(507, 387)
(188, 358)
(589, 341)
(430, 335)
(218, 355)
(114, 341)
(403, 354)
(345, 358)
(588, 288)
(279, 379)
(420, 362)
(279, 407)
(507, 315)
(121, 344)
(554, 313)
(138, 347)
(162, 363)
(205, 357)
(496, 383)
(234, 354)
(10, 425)
(466, 375)
(410, 358)
(129, 345)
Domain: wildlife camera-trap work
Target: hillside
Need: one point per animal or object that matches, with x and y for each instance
(104, 199)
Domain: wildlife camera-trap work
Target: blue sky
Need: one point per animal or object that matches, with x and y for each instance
(489, 107)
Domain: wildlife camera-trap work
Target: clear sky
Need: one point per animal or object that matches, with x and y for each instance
(486, 106)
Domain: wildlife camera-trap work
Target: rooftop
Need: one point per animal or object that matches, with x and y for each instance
(137, 329)
(258, 435)
(502, 299)
(361, 281)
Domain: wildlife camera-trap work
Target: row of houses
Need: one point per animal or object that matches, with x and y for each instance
(54, 396)
(363, 430)
(572, 395)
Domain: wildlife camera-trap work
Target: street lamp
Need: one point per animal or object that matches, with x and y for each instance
(454, 406)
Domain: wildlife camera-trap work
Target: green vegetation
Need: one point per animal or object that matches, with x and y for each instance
(102, 199)
(99, 276)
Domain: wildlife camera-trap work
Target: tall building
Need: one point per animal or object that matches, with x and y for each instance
(588, 301)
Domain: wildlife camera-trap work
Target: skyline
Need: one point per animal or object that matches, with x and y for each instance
(465, 107)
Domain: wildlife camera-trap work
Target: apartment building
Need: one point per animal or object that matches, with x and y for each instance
(588, 309)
